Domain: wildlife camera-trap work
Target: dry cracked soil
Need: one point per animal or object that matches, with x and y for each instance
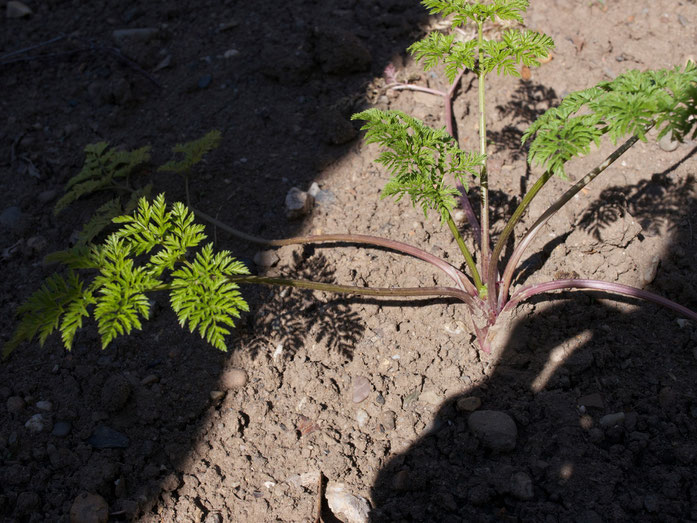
(585, 412)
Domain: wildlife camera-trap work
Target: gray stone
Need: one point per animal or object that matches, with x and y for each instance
(35, 424)
(610, 420)
(667, 143)
(266, 258)
(468, 404)
(61, 429)
(346, 506)
(321, 196)
(495, 429)
(105, 437)
(298, 203)
(46, 406)
(362, 417)
(16, 9)
(205, 81)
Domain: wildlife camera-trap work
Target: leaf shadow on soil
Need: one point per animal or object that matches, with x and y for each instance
(290, 316)
(567, 361)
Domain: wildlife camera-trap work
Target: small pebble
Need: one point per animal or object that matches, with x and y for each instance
(16, 9)
(230, 53)
(468, 404)
(44, 405)
(361, 389)
(216, 394)
(610, 420)
(667, 143)
(35, 424)
(150, 379)
(362, 417)
(105, 437)
(431, 397)
(266, 258)
(205, 81)
(346, 506)
(234, 379)
(495, 429)
(298, 203)
(61, 429)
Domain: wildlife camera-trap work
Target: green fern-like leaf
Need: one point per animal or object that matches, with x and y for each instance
(41, 314)
(478, 12)
(192, 152)
(418, 157)
(102, 166)
(205, 299)
(627, 105)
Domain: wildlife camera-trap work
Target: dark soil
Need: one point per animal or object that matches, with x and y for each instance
(189, 436)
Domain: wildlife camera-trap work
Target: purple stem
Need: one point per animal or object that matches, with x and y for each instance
(458, 277)
(448, 103)
(616, 288)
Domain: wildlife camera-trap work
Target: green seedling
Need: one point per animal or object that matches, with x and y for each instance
(159, 248)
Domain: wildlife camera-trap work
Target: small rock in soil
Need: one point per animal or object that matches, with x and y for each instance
(347, 507)
(362, 417)
(667, 143)
(105, 437)
(361, 389)
(46, 406)
(216, 395)
(35, 424)
(115, 393)
(213, 517)
(298, 203)
(16, 9)
(521, 486)
(234, 379)
(205, 81)
(89, 508)
(321, 196)
(150, 379)
(15, 404)
(266, 258)
(468, 404)
(61, 429)
(610, 420)
(47, 196)
(495, 429)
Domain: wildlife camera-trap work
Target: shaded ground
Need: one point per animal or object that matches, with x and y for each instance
(281, 100)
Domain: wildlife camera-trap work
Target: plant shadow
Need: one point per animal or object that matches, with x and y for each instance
(600, 390)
